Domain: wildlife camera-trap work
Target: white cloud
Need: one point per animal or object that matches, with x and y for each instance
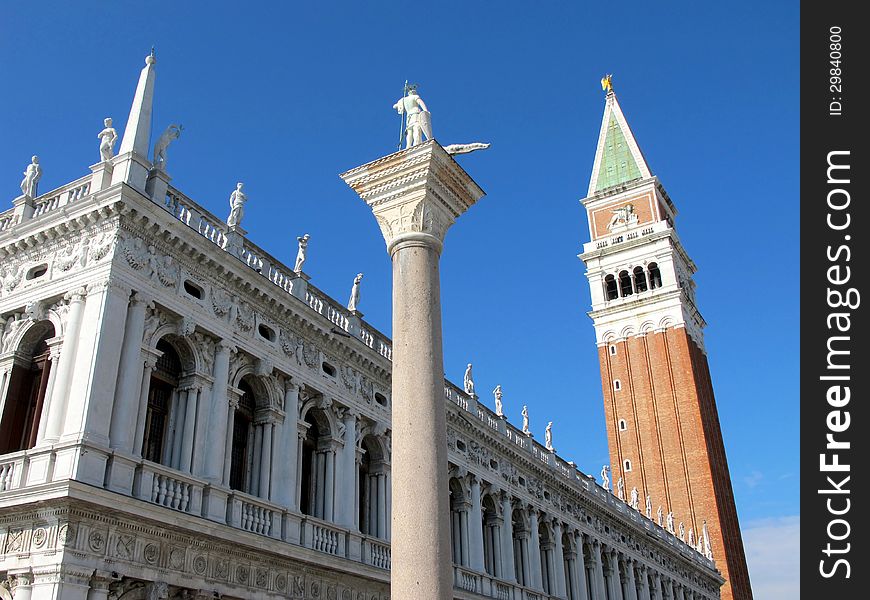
(772, 554)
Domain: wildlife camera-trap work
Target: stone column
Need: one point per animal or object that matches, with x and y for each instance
(256, 457)
(218, 423)
(535, 572)
(599, 582)
(559, 571)
(125, 408)
(55, 345)
(643, 580)
(346, 495)
(99, 588)
(416, 194)
(232, 404)
(149, 363)
(508, 571)
(615, 580)
(580, 569)
(284, 486)
(329, 484)
(382, 503)
(189, 429)
(60, 393)
(629, 580)
(475, 528)
(23, 582)
(657, 586)
(266, 459)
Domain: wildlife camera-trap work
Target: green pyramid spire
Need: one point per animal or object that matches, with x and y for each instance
(617, 163)
(618, 159)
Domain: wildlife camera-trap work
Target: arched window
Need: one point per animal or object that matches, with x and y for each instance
(639, 279)
(241, 453)
(459, 509)
(624, 284)
(655, 276)
(491, 536)
(626, 465)
(26, 390)
(372, 489)
(161, 393)
(521, 544)
(611, 291)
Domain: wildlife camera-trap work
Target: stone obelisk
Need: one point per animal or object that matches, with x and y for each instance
(416, 194)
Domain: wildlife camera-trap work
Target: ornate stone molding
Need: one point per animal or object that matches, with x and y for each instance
(416, 194)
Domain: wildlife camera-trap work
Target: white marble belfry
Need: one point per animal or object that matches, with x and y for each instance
(416, 194)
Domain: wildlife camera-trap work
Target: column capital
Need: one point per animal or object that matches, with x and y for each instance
(76, 295)
(416, 194)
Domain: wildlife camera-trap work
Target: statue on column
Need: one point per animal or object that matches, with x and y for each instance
(32, 174)
(302, 253)
(635, 497)
(499, 408)
(605, 478)
(525, 414)
(468, 381)
(548, 436)
(353, 303)
(172, 133)
(418, 119)
(108, 137)
(237, 206)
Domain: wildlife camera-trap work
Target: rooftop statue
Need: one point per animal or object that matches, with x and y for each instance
(607, 83)
(31, 178)
(648, 507)
(548, 436)
(605, 478)
(635, 497)
(418, 119)
(525, 414)
(172, 133)
(237, 206)
(659, 514)
(499, 408)
(468, 381)
(620, 489)
(302, 253)
(108, 136)
(353, 303)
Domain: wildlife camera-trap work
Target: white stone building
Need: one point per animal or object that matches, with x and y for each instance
(182, 416)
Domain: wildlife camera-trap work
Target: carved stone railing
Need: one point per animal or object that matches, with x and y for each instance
(7, 219)
(253, 514)
(62, 196)
(323, 537)
(377, 553)
(166, 487)
(7, 474)
(627, 236)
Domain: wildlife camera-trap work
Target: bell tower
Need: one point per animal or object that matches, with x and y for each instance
(662, 425)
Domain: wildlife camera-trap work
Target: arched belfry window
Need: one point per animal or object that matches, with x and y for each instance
(26, 387)
(624, 284)
(611, 291)
(655, 276)
(161, 395)
(241, 453)
(639, 279)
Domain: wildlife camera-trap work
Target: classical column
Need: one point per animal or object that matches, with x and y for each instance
(329, 485)
(559, 558)
(149, 363)
(122, 429)
(508, 571)
(643, 583)
(301, 432)
(599, 582)
(55, 345)
(232, 405)
(657, 586)
(615, 580)
(219, 427)
(60, 393)
(475, 541)
(416, 194)
(23, 582)
(581, 592)
(266, 460)
(347, 472)
(284, 469)
(189, 429)
(99, 588)
(382, 503)
(629, 580)
(256, 459)
(535, 574)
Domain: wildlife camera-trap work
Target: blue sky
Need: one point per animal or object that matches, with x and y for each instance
(284, 97)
